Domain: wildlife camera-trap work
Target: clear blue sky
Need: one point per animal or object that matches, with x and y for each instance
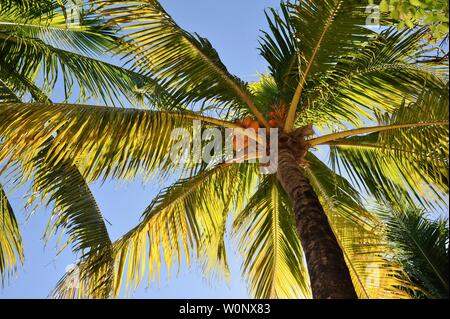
(233, 28)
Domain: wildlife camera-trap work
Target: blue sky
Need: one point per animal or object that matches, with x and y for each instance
(233, 28)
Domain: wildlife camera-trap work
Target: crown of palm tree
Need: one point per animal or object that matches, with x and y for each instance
(382, 106)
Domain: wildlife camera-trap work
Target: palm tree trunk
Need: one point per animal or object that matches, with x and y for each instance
(329, 275)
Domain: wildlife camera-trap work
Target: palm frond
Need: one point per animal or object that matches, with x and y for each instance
(39, 8)
(100, 141)
(76, 214)
(21, 86)
(69, 25)
(95, 79)
(375, 78)
(7, 94)
(281, 50)
(63, 44)
(75, 209)
(422, 244)
(187, 64)
(360, 234)
(11, 248)
(273, 258)
(181, 223)
(411, 161)
(325, 31)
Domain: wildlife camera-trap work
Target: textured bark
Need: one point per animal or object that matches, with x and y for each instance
(329, 275)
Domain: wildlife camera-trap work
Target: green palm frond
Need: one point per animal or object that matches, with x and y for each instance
(280, 49)
(422, 244)
(39, 7)
(307, 38)
(361, 236)
(75, 209)
(67, 46)
(325, 31)
(377, 77)
(11, 249)
(94, 78)
(411, 161)
(273, 258)
(69, 26)
(100, 141)
(185, 63)
(76, 214)
(20, 85)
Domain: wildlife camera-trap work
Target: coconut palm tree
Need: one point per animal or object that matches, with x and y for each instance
(380, 105)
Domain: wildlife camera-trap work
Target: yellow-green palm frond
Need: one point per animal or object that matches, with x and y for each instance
(368, 254)
(11, 249)
(185, 63)
(181, 224)
(409, 161)
(100, 141)
(273, 258)
(213, 254)
(20, 85)
(361, 236)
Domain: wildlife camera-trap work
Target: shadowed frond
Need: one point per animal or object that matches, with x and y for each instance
(361, 236)
(64, 43)
(76, 214)
(75, 210)
(7, 94)
(377, 77)
(422, 246)
(11, 249)
(267, 238)
(185, 63)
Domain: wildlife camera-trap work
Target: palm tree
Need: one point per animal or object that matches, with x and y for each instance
(422, 245)
(304, 231)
